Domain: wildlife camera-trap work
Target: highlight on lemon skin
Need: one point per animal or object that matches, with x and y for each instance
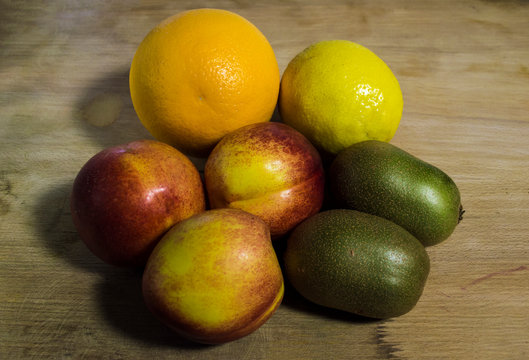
(338, 93)
(200, 75)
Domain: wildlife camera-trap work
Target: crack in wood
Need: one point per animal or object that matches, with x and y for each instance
(385, 348)
(488, 276)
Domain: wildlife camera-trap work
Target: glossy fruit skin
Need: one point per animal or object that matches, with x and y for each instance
(201, 74)
(356, 262)
(269, 170)
(214, 277)
(381, 179)
(127, 196)
(337, 93)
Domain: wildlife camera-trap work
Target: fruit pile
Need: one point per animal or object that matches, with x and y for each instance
(205, 83)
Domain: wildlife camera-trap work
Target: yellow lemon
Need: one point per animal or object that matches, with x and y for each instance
(338, 93)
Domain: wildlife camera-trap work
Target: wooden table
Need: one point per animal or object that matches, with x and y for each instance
(464, 70)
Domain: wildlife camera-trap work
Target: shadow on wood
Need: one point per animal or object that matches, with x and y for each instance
(122, 304)
(54, 225)
(106, 113)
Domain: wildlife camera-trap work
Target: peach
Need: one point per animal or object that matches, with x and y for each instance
(214, 277)
(267, 169)
(126, 197)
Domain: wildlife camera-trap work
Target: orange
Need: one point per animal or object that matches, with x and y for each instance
(201, 74)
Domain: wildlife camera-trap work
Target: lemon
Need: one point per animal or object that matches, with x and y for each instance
(338, 93)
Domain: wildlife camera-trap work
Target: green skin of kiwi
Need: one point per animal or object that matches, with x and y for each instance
(356, 262)
(381, 179)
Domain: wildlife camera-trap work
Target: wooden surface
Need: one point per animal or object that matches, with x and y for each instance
(464, 70)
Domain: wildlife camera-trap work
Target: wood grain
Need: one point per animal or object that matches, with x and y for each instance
(464, 70)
